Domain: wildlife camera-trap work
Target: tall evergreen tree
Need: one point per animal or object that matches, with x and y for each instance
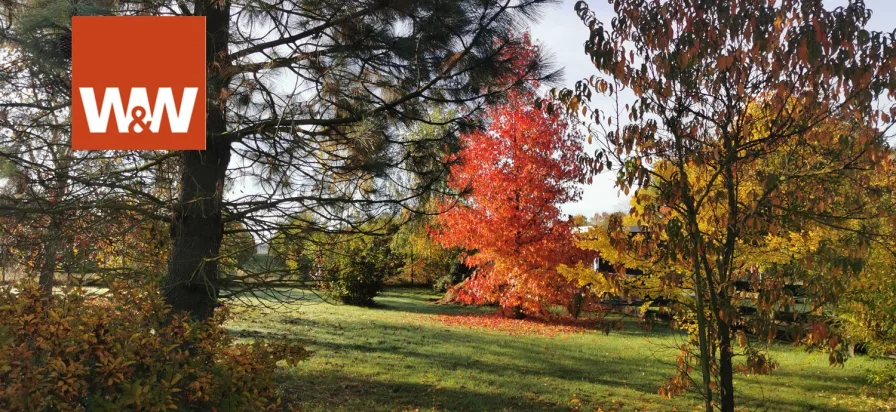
(310, 104)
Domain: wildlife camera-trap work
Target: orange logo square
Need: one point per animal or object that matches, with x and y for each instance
(138, 83)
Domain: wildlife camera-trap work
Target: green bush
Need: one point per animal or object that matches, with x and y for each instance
(354, 270)
(458, 273)
(127, 352)
(298, 249)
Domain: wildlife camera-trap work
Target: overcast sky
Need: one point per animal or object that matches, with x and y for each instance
(563, 35)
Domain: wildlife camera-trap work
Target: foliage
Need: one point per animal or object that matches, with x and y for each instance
(327, 128)
(865, 313)
(597, 283)
(139, 246)
(741, 120)
(237, 246)
(354, 269)
(531, 326)
(514, 175)
(86, 249)
(264, 262)
(458, 273)
(296, 246)
(349, 267)
(424, 261)
(127, 351)
(80, 216)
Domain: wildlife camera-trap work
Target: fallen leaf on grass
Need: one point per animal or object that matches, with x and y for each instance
(526, 326)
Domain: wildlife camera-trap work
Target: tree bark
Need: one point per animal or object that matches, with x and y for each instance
(197, 228)
(705, 370)
(726, 371)
(732, 232)
(47, 276)
(3, 264)
(706, 356)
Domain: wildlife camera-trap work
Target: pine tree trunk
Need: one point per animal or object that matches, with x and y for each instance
(197, 226)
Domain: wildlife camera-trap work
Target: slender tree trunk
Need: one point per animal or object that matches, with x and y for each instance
(700, 288)
(705, 369)
(57, 190)
(723, 301)
(47, 275)
(197, 226)
(726, 371)
(3, 264)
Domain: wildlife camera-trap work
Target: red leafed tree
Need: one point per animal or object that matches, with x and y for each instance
(515, 175)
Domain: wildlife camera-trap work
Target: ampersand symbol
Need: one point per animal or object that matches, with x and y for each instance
(139, 115)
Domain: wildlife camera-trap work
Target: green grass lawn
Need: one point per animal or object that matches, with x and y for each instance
(397, 357)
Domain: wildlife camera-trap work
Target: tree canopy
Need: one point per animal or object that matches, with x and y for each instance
(311, 105)
(514, 176)
(737, 117)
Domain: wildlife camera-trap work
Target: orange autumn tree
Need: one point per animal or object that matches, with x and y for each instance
(514, 175)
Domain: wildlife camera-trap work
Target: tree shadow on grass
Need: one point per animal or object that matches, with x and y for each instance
(815, 386)
(381, 344)
(511, 365)
(339, 392)
(659, 329)
(421, 301)
(504, 374)
(375, 362)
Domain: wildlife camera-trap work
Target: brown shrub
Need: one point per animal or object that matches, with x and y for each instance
(127, 352)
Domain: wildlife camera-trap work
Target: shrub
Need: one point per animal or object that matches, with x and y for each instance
(237, 247)
(459, 271)
(354, 271)
(424, 262)
(127, 352)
